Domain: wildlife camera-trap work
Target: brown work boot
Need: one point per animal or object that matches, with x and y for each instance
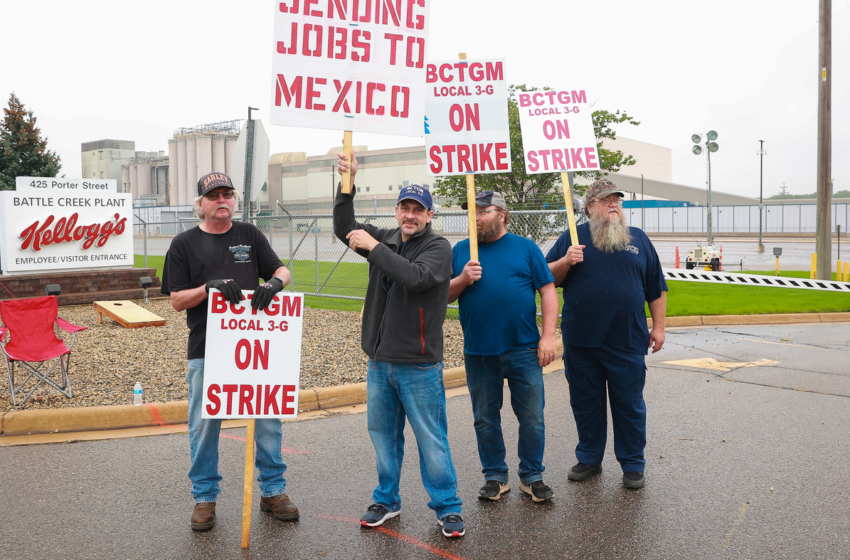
(203, 518)
(280, 506)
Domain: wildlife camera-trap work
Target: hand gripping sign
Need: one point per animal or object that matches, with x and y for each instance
(351, 65)
(558, 136)
(253, 358)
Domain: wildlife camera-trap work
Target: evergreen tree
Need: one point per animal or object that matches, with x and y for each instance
(23, 153)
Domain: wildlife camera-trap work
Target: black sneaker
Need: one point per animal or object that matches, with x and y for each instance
(538, 491)
(452, 526)
(375, 515)
(634, 480)
(582, 472)
(493, 490)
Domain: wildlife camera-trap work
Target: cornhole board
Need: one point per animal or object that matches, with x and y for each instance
(127, 314)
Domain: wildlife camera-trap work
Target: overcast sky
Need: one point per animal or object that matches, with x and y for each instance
(94, 69)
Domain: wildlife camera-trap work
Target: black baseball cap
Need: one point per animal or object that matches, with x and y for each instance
(211, 181)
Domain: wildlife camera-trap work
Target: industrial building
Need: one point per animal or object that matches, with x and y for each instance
(156, 179)
(102, 159)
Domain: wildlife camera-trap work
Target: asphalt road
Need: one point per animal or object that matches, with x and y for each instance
(747, 458)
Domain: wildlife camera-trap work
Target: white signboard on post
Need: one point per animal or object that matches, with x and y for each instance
(252, 363)
(354, 65)
(65, 230)
(466, 118)
(54, 184)
(557, 131)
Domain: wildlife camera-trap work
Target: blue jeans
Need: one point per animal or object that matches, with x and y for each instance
(485, 377)
(416, 391)
(588, 371)
(203, 446)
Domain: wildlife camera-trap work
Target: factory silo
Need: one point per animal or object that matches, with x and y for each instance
(204, 158)
(124, 187)
(144, 179)
(134, 180)
(181, 172)
(218, 160)
(191, 169)
(171, 189)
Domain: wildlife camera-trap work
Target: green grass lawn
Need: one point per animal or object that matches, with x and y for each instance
(683, 299)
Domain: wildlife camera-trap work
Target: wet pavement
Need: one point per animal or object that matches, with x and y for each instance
(747, 457)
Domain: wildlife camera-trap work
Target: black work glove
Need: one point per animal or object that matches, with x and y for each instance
(263, 295)
(228, 288)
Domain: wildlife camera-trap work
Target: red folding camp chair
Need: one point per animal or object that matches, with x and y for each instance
(33, 342)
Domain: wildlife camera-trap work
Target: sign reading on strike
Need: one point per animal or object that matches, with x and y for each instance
(557, 131)
(253, 358)
(354, 65)
(466, 118)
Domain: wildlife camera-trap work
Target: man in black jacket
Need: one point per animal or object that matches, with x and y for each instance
(402, 333)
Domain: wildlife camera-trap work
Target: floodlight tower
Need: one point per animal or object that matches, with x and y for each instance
(710, 146)
(761, 153)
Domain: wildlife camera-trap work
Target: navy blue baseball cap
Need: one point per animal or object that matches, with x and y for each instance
(417, 193)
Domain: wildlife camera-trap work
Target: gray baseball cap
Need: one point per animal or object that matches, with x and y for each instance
(488, 198)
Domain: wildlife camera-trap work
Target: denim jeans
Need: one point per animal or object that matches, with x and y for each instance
(589, 371)
(485, 377)
(416, 391)
(203, 446)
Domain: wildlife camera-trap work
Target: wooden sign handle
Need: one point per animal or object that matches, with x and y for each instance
(248, 489)
(470, 206)
(473, 228)
(568, 199)
(346, 149)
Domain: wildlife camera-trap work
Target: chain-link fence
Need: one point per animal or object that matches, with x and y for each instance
(322, 265)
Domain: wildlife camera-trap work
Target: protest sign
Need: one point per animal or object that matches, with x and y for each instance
(558, 136)
(466, 118)
(253, 358)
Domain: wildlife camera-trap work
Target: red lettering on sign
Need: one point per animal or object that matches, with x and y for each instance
(430, 74)
(579, 96)
(246, 393)
(394, 40)
(412, 43)
(436, 162)
(305, 44)
(449, 150)
(392, 11)
(334, 43)
(501, 156)
(356, 43)
(230, 389)
(463, 158)
(420, 19)
(311, 93)
(524, 100)
(219, 304)
(364, 17)
(271, 399)
(405, 110)
(494, 71)
(370, 89)
(533, 164)
(288, 92)
(558, 160)
(476, 71)
(590, 156)
(485, 157)
(37, 237)
(576, 157)
(240, 346)
(341, 8)
(212, 396)
(291, 308)
(287, 398)
(261, 354)
(341, 101)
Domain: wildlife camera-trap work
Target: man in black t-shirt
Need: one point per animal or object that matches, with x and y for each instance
(227, 256)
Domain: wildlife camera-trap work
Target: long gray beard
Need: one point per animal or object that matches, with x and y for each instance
(609, 236)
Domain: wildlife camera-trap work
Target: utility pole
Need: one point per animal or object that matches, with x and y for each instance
(761, 153)
(824, 203)
(249, 167)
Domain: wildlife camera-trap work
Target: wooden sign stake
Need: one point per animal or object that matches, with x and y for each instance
(568, 199)
(248, 490)
(346, 148)
(470, 207)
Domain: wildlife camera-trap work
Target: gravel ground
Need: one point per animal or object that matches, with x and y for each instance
(108, 359)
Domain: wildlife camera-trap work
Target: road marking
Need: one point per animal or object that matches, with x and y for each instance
(282, 449)
(791, 344)
(398, 535)
(734, 530)
(712, 364)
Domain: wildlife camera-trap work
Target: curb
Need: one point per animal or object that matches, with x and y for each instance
(82, 419)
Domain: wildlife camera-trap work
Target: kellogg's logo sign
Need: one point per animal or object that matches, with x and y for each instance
(67, 230)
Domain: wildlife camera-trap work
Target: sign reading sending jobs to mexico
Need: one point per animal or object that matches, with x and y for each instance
(252, 363)
(354, 65)
(466, 118)
(68, 224)
(557, 131)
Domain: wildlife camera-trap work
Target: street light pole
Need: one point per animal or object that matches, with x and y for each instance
(761, 153)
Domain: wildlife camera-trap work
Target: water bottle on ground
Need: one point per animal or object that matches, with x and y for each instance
(137, 394)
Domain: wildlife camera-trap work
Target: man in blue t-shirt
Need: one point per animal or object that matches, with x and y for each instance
(607, 277)
(498, 313)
